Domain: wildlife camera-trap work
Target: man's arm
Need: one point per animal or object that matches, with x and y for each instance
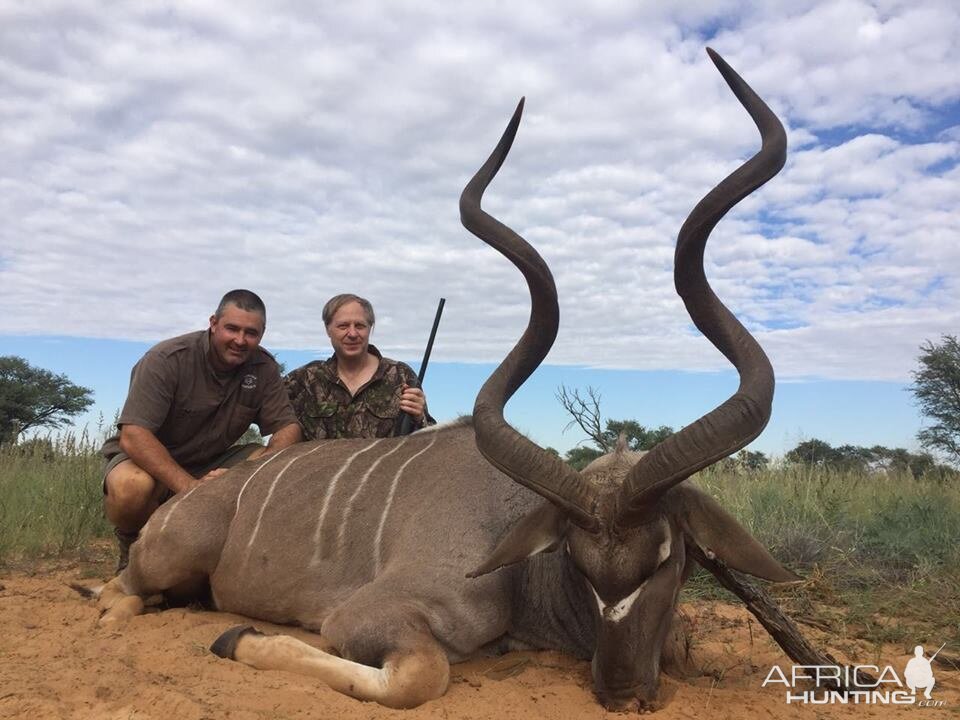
(287, 435)
(153, 458)
(284, 437)
(276, 417)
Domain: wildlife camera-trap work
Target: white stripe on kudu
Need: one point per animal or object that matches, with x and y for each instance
(346, 511)
(262, 465)
(389, 501)
(253, 474)
(163, 525)
(329, 494)
(266, 500)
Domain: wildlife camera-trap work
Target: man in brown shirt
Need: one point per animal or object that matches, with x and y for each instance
(190, 399)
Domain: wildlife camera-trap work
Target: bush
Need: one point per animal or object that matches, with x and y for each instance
(51, 498)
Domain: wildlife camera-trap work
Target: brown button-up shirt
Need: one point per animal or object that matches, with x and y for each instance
(195, 411)
(326, 409)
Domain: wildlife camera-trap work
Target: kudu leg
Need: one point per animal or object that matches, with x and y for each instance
(177, 551)
(118, 605)
(415, 671)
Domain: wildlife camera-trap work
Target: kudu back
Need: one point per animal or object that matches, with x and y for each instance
(405, 554)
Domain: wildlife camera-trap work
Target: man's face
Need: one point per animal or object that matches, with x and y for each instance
(349, 331)
(233, 336)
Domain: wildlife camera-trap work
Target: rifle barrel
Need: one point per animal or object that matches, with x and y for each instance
(433, 335)
(405, 422)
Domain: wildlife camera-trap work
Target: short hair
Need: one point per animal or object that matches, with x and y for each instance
(245, 300)
(338, 301)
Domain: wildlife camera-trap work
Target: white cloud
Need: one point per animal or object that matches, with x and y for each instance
(157, 157)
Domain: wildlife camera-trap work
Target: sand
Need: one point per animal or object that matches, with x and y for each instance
(55, 662)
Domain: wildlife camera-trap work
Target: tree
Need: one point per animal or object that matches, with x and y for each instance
(32, 397)
(750, 460)
(854, 457)
(579, 457)
(585, 412)
(745, 461)
(936, 388)
(817, 453)
(637, 436)
(812, 452)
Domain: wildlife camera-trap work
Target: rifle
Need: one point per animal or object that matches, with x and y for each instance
(937, 652)
(404, 424)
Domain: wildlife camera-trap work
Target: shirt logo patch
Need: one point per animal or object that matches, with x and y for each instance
(249, 382)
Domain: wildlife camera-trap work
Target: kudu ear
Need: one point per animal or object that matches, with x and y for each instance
(540, 531)
(718, 534)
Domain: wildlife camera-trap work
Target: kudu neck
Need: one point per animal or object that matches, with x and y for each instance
(552, 606)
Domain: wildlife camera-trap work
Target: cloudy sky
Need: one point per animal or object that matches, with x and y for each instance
(155, 155)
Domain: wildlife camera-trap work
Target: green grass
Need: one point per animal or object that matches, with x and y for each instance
(874, 548)
(814, 516)
(51, 501)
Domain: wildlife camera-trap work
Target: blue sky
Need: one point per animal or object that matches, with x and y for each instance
(156, 156)
(841, 411)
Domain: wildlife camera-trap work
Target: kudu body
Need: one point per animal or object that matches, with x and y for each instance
(370, 543)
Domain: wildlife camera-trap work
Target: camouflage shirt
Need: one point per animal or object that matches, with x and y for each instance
(325, 408)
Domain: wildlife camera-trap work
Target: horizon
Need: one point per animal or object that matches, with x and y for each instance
(868, 415)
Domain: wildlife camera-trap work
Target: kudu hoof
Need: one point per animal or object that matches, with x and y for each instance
(226, 645)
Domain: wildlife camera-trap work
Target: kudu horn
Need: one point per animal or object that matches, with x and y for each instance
(719, 433)
(504, 447)
(742, 417)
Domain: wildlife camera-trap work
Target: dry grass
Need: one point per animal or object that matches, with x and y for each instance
(879, 552)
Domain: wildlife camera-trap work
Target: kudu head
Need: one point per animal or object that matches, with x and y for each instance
(626, 520)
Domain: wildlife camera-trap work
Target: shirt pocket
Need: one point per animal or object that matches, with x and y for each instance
(317, 421)
(186, 422)
(321, 411)
(383, 403)
(240, 419)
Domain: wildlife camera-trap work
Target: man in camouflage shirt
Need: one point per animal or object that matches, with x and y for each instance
(356, 392)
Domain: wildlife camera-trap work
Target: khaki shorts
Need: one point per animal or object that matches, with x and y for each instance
(234, 455)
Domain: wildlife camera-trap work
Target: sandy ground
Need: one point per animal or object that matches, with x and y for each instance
(56, 663)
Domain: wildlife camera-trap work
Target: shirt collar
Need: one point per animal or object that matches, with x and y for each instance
(330, 364)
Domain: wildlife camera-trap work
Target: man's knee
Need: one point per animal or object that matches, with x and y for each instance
(129, 488)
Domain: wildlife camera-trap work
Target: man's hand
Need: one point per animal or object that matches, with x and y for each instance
(211, 475)
(215, 473)
(413, 402)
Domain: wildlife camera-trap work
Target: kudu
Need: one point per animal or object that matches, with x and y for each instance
(407, 554)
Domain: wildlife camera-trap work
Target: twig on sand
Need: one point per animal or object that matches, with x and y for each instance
(780, 627)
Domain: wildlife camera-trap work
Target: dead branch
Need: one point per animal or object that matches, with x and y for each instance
(776, 622)
(585, 413)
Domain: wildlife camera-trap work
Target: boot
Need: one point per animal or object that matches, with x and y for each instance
(124, 541)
